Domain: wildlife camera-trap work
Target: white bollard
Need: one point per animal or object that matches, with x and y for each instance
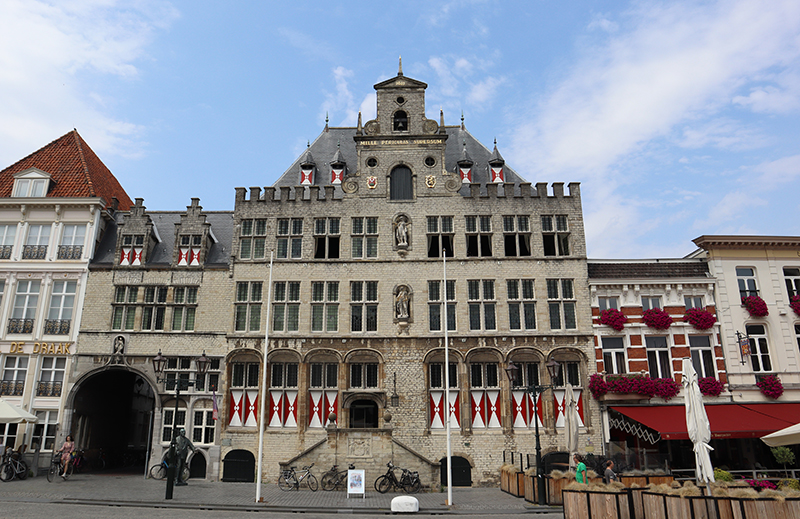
(405, 504)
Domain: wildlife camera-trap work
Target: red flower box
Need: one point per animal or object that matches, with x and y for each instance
(657, 318)
(613, 318)
(755, 306)
(699, 318)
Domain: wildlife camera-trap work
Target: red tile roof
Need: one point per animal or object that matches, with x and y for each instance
(75, 170)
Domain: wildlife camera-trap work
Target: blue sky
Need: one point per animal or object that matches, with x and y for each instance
(679, 118)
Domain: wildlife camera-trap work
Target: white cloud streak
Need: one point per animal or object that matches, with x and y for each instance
(667, 73)
(52, 53)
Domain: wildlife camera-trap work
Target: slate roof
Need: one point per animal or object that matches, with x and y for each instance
(325, 146)
(648, 270)
(164, 221)
(75, 170)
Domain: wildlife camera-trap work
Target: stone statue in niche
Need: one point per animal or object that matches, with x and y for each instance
(402, 302)
(401, 230)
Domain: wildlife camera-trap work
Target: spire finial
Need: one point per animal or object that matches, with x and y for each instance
(338, 142)
(326, 121)
(462, 119)
(400, 69)
(359, 131)
(308, 144)
(495, 142)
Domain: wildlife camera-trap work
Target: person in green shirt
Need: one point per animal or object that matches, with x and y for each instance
(580, 470)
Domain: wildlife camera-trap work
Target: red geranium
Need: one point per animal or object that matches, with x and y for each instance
(657, 318)
(755, 306)
(770, 386)
(699, 318)
(710, 386)
(795, 304)
(613, 318)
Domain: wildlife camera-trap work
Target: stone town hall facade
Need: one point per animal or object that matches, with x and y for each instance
(354, 332)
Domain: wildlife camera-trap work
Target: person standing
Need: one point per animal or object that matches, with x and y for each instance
(182, 446)
(66, 454)
(609, 475)
(580, 469)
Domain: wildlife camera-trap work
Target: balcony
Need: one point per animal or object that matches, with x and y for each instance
(20, 325)
(5, 251)
(70, 252)
(34, 252)
(56, 326)
(48, 388)
(12, 387)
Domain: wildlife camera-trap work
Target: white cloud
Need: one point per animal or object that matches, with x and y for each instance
(776, 172)
(724, 133)
(484, 91)
(602, 23)
(51, 54)
(669, 64)
(783, 96)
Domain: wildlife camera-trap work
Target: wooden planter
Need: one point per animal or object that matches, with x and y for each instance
(512, 483)
(631, 480)
(579, 504)
(531, 490)
(660, 480)
(660, 506)
(554, 487)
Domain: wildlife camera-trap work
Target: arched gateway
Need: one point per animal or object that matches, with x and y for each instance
(113, 410)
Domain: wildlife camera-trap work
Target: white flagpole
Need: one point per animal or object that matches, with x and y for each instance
(264, 395)
(447, 381)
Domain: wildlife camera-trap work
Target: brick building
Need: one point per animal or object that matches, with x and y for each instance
(55, 205)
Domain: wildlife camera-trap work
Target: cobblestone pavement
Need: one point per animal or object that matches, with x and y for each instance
(135, 490)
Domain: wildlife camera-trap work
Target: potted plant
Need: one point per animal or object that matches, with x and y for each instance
(657, 318)
(795, 304)
(770, 386)
(699, 318)
(710, 386)
(613, 318)
(755, 306)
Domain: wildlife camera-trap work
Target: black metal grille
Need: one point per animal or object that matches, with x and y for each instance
(48, 389)
(34, 252)
(56, 326)
(12, 387)
(20, 325)
(70, 252)
(5, 251)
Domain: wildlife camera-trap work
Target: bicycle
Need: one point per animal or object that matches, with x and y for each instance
(334, 478)
(409, 481)
(291, 479)
(13, 467)
(159, 471)
(57, 468)
(78, 460)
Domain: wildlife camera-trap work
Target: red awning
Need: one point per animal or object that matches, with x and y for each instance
(727, 420)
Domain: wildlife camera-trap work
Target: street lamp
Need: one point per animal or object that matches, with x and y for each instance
(159, 363)
(553, 368)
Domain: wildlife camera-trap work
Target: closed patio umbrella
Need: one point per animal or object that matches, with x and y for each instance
(9, 413)
(697, 424)
(788, 436)
(571, 422)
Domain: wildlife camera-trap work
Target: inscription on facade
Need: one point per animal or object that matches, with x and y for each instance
(187, 278)
(128, 277)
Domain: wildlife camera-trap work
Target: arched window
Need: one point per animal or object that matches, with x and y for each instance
(400, 185)
(400, 121)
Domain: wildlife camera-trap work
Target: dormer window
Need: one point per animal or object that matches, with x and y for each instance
(31, 183)
(189, 251)
(132, 249)
(400, 122)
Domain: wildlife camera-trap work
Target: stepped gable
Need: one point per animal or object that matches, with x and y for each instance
(76, 172)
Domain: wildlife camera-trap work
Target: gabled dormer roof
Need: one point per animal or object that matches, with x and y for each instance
(75, 170)
(400, 81)
(495, 157)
